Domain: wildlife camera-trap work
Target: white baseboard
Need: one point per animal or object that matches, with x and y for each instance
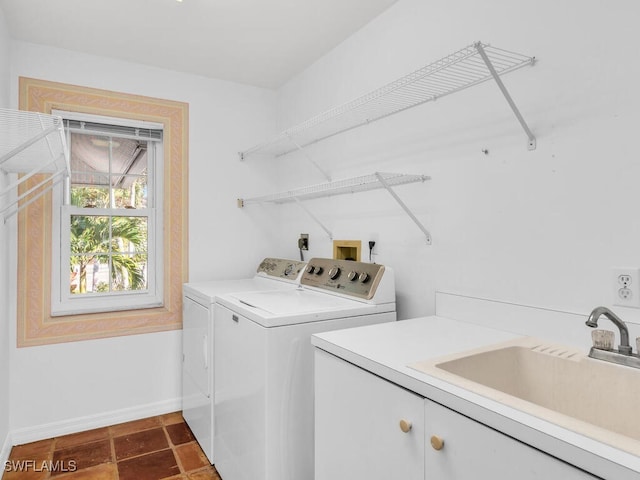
(6, 450)
(80, 424)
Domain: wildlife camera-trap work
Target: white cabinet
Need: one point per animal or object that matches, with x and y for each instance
(357, 425)
(473, 450)
(359, 436)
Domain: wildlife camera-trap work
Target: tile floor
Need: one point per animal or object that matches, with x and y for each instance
(153, 448)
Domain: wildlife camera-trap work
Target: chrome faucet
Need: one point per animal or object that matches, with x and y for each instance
(624, 348)
(623, 355)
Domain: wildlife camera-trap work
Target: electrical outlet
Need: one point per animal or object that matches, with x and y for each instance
(626, 287)
(624, 280)
(303, 241)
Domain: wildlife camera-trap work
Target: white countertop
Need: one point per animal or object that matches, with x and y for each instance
(386, 350)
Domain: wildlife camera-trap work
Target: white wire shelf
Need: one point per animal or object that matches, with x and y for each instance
(472, 65)
(339, 187)
(31, 145)
(374, 181)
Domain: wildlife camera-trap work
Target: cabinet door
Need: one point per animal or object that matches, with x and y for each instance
(473, 450)
(357, 425)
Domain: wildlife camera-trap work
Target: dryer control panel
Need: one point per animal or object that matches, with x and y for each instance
(356, 279)
(281, 268)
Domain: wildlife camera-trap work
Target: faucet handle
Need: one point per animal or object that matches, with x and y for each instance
(602, 339)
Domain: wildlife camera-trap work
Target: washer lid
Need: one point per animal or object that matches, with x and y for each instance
(290, 307)
(291, 302)
(205, 292)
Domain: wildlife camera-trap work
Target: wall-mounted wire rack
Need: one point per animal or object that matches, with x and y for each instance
(472, 65)
(32, 145)
(377, 180)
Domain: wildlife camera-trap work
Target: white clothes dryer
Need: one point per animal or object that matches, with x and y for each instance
(264, 364)
(198, 316)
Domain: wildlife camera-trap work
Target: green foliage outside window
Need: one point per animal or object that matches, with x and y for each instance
(118, 242)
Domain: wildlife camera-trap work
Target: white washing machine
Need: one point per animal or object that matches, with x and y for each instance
(264, 364)
(198, 338)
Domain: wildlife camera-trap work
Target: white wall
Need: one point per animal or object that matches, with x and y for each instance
(4, 61)
(4, 256)
(55, 384)
(541, 227)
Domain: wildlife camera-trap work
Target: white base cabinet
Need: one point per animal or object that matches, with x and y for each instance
(357, 425)
(360, 423)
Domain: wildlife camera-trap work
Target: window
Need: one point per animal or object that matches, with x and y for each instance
(107, 240)
(37, 228)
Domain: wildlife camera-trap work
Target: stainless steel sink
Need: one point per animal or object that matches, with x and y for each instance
(559, 384)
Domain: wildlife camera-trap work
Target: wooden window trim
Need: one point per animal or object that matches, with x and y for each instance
(36, 326)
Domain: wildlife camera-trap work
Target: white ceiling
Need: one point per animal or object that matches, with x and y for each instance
(257, 42)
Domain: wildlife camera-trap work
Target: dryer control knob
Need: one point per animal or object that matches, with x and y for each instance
(319, 270)
(311, 269)
(364, 277)
(352, 275)
(334, 273)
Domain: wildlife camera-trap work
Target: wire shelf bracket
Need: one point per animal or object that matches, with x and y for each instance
(362, 183)
(313, 217)
(532, 139)
(313, 162)
(31, 144)
(472, 65)
(395, 196)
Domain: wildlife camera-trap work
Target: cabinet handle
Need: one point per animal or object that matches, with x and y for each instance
(436, 442)
(405, 426)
